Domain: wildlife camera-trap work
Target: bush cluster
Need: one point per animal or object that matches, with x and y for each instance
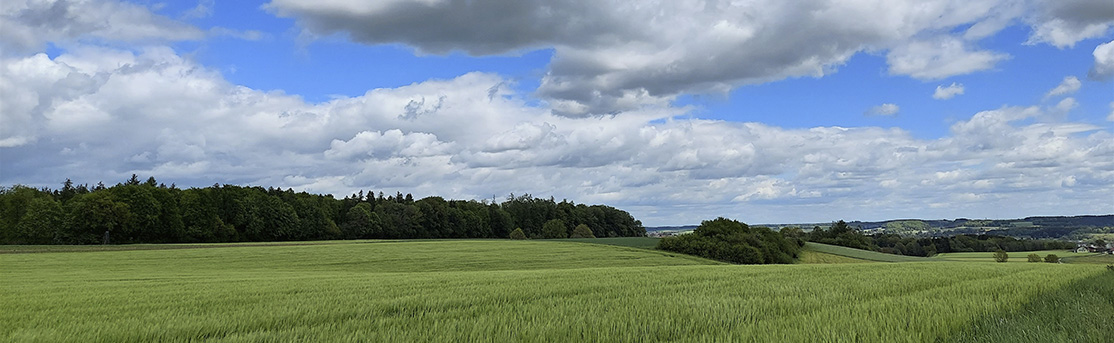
(732, 241)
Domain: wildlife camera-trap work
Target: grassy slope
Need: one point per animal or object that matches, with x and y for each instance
(809, 256)
(496, 291)
(633, 242)
(861, 254)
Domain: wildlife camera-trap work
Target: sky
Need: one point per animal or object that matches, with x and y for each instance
(765, 111)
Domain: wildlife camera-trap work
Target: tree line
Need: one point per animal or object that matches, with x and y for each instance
(843, 234)
(151, 212)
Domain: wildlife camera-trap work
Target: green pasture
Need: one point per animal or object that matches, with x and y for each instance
(1096, 259)
(1014, 257)
(528, 291)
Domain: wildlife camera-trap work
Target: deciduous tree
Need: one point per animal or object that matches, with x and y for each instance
(1001, 256)
(582, 231)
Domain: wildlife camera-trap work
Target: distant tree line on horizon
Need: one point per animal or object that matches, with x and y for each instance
(843, 234)
(150, 212)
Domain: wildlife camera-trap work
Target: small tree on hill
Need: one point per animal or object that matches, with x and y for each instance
(1001, 256)
(518, 234)
(1034, 258)
(1052, 258)
(582, 231)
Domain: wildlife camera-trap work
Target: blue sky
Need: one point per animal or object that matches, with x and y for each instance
(675, 111)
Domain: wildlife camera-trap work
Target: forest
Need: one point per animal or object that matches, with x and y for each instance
(151, 212)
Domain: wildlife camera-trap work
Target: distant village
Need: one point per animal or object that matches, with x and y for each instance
(1105, 249)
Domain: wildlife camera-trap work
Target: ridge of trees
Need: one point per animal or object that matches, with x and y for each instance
(151, 212)
(843, 234)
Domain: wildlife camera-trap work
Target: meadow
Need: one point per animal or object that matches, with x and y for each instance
(1014, 257)
(524, 291)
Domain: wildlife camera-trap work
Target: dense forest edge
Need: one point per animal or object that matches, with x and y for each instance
(152, 212)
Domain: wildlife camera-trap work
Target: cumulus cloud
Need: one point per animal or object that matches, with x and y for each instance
(103, 114)
(945, 93)
(1069, 85)
(1104, 62)
(620, 55)
(940, 58)
(1062, 23)
(884, 110)
(26, 25)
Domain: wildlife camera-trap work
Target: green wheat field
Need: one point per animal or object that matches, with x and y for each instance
(533, 291)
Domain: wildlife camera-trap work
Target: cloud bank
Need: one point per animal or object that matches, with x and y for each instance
(620, 55)
(116, 101)
(103, 114)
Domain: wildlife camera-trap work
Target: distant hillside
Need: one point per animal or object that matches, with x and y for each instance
(1059, 227)
(1053, 227)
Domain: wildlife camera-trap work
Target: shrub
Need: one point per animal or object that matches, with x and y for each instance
(518, 234)
(1052, 258)
(582, 231)
(1034, 258)
(1001, 256)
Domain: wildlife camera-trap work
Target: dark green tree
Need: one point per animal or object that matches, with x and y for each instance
(517, 234)
(554, 228)
(88, 217)
(582, 231)
(1052, 258)
(1034, 258)
(361, 223)
(1001, 256)
(41, 222)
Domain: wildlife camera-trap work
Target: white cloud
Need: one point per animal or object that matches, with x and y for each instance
(1104, 62)
(27, 25)
(392, 143)
(204, 9)
(945, 93)
(101, 115)
(1069, 85)
(621, 55)
(940, 58)
(884, 110)
(1062, 23)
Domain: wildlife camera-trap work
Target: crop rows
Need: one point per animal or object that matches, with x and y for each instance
(356, 293)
